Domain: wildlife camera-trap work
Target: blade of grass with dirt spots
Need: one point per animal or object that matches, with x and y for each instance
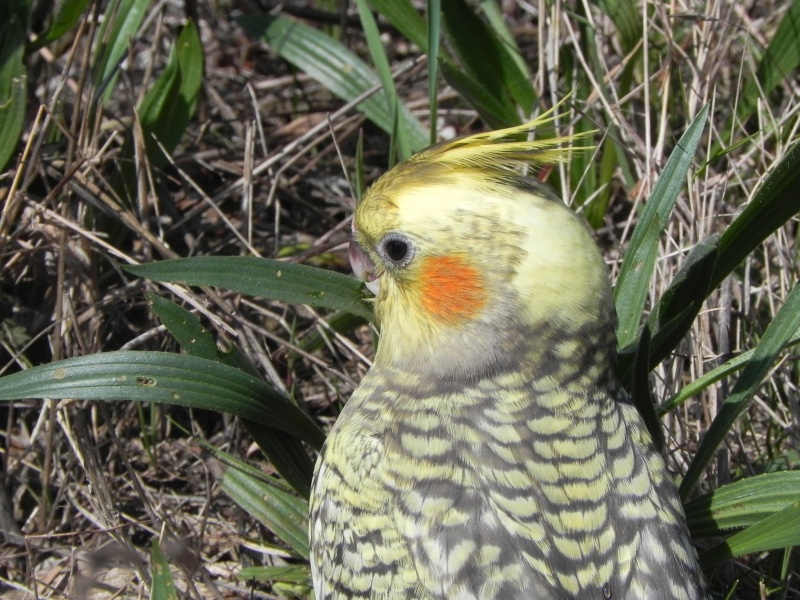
(163, 585)
(335, 67)
(776, 336)
(164, 378)
(286, 452)
(264, 278)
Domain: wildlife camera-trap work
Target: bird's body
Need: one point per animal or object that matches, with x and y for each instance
(490, 452)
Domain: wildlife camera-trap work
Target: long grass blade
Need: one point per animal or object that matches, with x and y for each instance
(163, 378)
(265, 278)
(779, 61)
(167, 108)
(65, 16)
(633, 282)
(698, 385)
(434, 41)
(488, 65)
(400, 137)
(402, 15)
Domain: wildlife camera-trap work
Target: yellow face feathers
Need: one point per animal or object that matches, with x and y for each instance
(466, 248)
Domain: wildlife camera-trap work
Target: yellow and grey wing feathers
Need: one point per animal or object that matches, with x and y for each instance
(497, 500)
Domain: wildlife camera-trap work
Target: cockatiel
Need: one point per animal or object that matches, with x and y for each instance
(490, 452)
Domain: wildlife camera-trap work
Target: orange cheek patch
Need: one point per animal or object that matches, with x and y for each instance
(451, 289)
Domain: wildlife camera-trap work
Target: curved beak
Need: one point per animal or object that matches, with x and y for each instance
(363, 267)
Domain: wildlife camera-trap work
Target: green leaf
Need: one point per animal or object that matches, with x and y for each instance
(163, 586)
(633, 282)
(779, 530)
(263, 496)
(335, 67)
(283, 513)
(273, 279)
(665, 328)
(167, 379)
(13, 88)
(169, 105)
(434, 44)
(193, 338)
(18, 11)
(775, 203)
(641, 393)
(741, 504)
(777, 334)
(285, 452)
(400, 137)
(65, 16)
(121, 22)
(496, 112)
(288, 573)
(676, 310)
(405, 18)
(489, 62)
(516, 75)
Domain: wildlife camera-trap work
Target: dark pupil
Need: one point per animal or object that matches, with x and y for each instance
(396, 249)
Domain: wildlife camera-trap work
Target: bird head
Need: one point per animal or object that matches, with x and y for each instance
(469, 258)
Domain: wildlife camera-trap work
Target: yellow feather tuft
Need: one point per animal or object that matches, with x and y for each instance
(489, 157)
(498, 150)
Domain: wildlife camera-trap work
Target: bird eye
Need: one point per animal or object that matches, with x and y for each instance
(397, 249)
